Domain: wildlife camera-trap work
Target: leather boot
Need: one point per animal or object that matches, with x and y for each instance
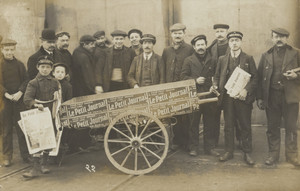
(34, 172)
(44, 163)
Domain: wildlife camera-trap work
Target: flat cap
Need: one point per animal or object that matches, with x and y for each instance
(62, 33)
(199, 37)
(235, 34)
(87, 38)
(222, 26)
(98, 34)
(118, 33)
(61, 64)
(281, 31)
(135, 31)
(8, 42)
(48, 34)
(45, 60)
(177, 27)
(148, 37)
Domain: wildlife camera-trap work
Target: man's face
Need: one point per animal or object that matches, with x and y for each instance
(148, 46)
(89, 46)
(279, 40)
(59, 72)
(100, 41)
(118, 41)
(8, 51)
(221, 34)
(134, 39)
(177, 36)
(44, 69)
(63, 42)
(200, 46)
(48, 45)
(235, 43)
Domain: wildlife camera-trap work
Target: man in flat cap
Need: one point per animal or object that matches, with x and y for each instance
(117, 64)
(14, 81)
(135, 36)
(62, 45)
(173, 57)
(278, 94)
(101, 40)
(220, 47)
(47, 48)
(238, 106)
(201, 67)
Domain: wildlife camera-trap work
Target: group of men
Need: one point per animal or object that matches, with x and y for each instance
(97, 67)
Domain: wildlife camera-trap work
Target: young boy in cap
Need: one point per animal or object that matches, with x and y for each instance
(14, 82)
(42, 87)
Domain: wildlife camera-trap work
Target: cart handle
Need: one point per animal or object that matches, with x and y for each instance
(207, 100)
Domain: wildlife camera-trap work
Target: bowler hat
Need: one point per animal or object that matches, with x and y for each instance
(235, 34)
(199, 37)
(148, 37)
(8, 41)
(61, 64)
(281, 31)
(118, 33)
(222, 26)
(135, 31)
(177, 27)
(45, 60)
(48, 34)
(98, 34)
(87, 38)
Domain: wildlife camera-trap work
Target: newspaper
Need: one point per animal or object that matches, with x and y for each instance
(37, 127)
(237, 81)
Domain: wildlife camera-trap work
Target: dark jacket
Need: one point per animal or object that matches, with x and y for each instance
(41, 88)
(246, 63)
(172, 57)
(213, 49)
(66, 90)
(84, 72)
(291, 87)
(192, 69)
(33, 59)
(65, 57)
(157, 70)
(127, 56)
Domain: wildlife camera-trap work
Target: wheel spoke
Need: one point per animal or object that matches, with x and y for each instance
(121, 133)
(136, 126)
(120, 150)
(117, 141)
(146, 126)
(125, 122)
(148, 163)
(154, 143)
(135, 159)
(159, 136)
(155, 132)
(125, 159)
(151, 152)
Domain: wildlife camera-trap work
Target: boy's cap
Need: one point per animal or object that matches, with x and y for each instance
(45, 60)
(118, 33)
(61, 64)
(8, 42)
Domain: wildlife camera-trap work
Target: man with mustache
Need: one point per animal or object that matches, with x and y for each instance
(47, 48)
(278, 94)
(173, 57)
(101, 41)
(201, 67)
(238, 107)
(134, 36)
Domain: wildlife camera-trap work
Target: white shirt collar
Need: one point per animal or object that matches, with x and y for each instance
(48, 51)
(235, 54)
(149, 55)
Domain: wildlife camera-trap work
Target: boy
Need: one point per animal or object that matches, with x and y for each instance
(42, 88)
(60, 70)
(14, 82)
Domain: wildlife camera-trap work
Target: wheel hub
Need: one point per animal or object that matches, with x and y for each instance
(136, 143)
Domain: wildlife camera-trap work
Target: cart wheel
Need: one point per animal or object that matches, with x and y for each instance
(136, 142)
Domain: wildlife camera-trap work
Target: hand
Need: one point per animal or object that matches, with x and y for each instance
(200, 80)
(8, 96)
(98, 89)
(39, 106)
(290, 74)
(242, 95)
(260, 104)
(136, 86)
(17, 96)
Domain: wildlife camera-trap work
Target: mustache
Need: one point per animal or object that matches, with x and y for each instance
(220, 36)
(65, 45)
(279, 42)
(200, 49)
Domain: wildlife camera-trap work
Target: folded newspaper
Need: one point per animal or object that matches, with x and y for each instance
(237, 81)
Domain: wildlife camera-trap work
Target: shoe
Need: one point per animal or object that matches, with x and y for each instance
(174, 147)
(193, 153)
(226, 156)
(6, 163)
(31, 174)
(293, 161)
(270, 161)
(44, 170)
(212, 152)
(248, 159)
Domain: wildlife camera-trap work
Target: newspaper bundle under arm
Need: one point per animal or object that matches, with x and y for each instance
(237, 81)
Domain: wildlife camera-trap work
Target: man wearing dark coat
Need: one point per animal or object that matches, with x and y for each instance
(173, 57)
(279, 94)
(117, 64)
(201, 67)
(47, 48)
(238, 107)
